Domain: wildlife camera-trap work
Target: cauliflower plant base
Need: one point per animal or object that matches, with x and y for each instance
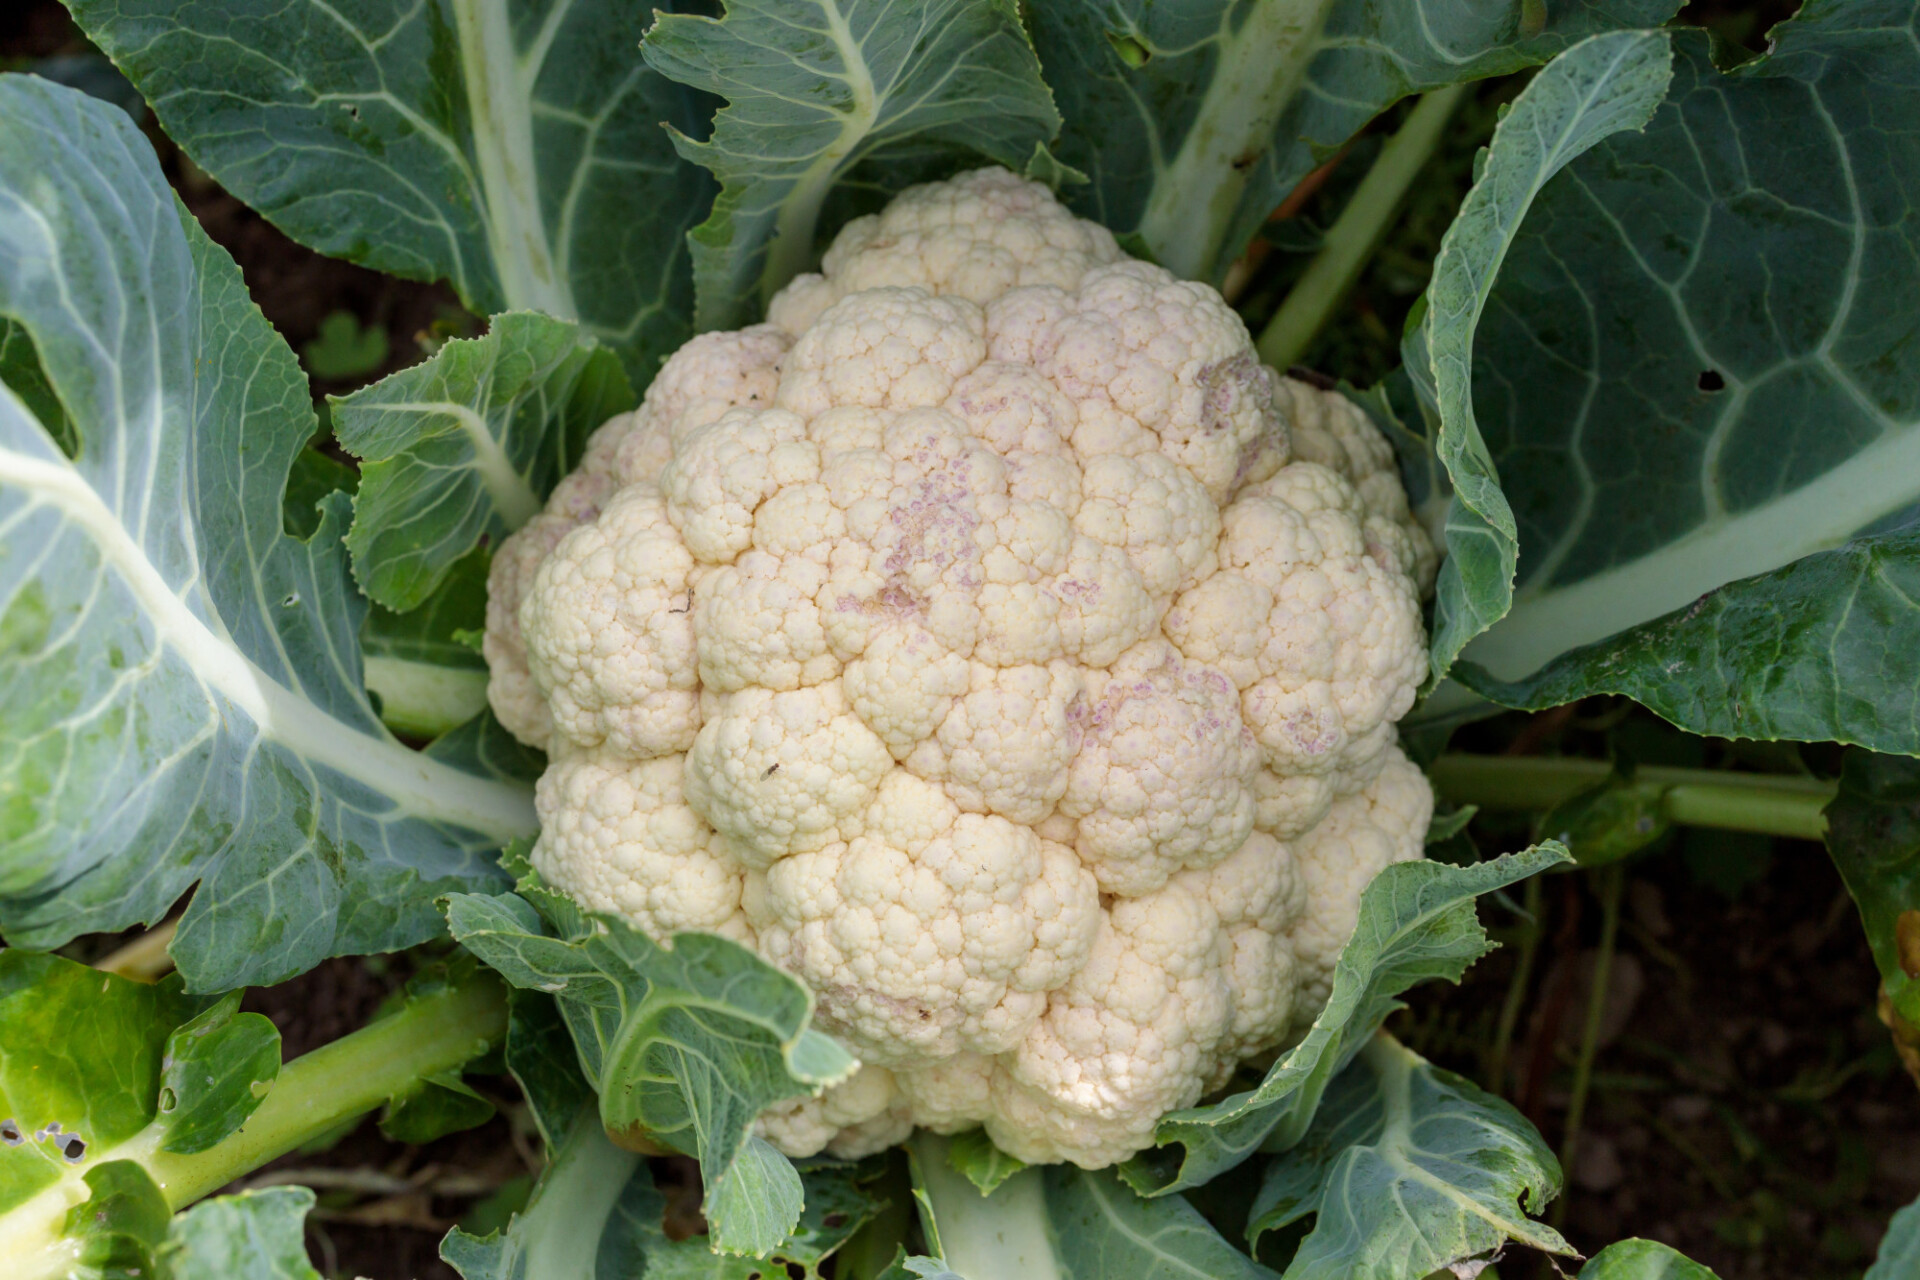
(991, 641)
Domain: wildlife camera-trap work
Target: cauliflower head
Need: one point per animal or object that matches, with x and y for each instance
(991, 641)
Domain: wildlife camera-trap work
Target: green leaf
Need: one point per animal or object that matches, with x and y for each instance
(20, 370)
(216, 1070)
(540, 1055)
(253, 1235)
(1645, 1260)
(467, 445)
(427, 677)
(118, 1227)
(180, 691)
(686, 1046)
(1408, 1170)
(1873, 833)
(985, 1165)
(1193, 121)
(875, 93)
(82, 1067)
(344, 349)
(1899, 1250)
(314, 476)
(1822, 649)
(595, 1215)
(1416, 922)
(1700, 364)
(1612, 820)
(1065, 1223)
(434, 1107)
(514, 151)
(1601, 86)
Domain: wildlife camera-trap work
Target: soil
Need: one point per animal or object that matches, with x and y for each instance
(1745, 1105)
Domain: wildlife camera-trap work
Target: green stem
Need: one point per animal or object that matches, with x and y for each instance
(314, 1093)
(1350, 243)
(1613, 880)
(998, 1237)
(1771, 804)
(1535, 903)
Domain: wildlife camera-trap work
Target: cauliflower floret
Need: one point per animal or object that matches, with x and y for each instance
(617, 836)
(976, 236)
(972, 641)
(935, 932)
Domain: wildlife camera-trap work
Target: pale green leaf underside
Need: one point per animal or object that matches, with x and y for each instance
(816, 88)
(180, 686)
(1194, 120)
(685, 1046)
(514, 150)
(253, 1235)
(1408, 1169)
(1899, 1250)
(467, 445)
(1702, 363)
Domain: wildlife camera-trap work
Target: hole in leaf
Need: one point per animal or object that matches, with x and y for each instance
(289, 600)
(1130, 48)
(1710, 380)
(834, 1220)
(73, 1147)
(167, 1100)
(10, 1132)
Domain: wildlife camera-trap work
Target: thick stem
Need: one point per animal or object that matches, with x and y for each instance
(1350, 242)
(998, 1237)
(424, 700)
(313, 1094)
(1258, 69)
(1770, 804)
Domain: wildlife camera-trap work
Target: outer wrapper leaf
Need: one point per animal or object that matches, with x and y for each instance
(1416, 922)
(254, 1235)
(513, 150)
(1699, 379)
(467, 445)
(1899, 1250)
(180, 691)
(685, 1046)
(885, 92)
(1601, 86)
(1408, 1169)
(1194, 120)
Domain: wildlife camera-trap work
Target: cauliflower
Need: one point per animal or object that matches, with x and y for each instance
(991, 641)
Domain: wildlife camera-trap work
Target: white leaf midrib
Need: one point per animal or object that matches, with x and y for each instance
(419, 786)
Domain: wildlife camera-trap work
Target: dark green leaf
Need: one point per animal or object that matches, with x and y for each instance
(1607, 822)
(1701, 363)
(1825, 649)
(20, 370)
(1416, 922)
(344, 349)
(1409, 1169)
(1599, 87)
(1195, 120)
(514, 150)
(1873, 833)
(180, 692)
(216, 1070)
(433, 1108)
(314, 476)
(466, 445)
(685, 1046)
(816, 89)
(540, 1055)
